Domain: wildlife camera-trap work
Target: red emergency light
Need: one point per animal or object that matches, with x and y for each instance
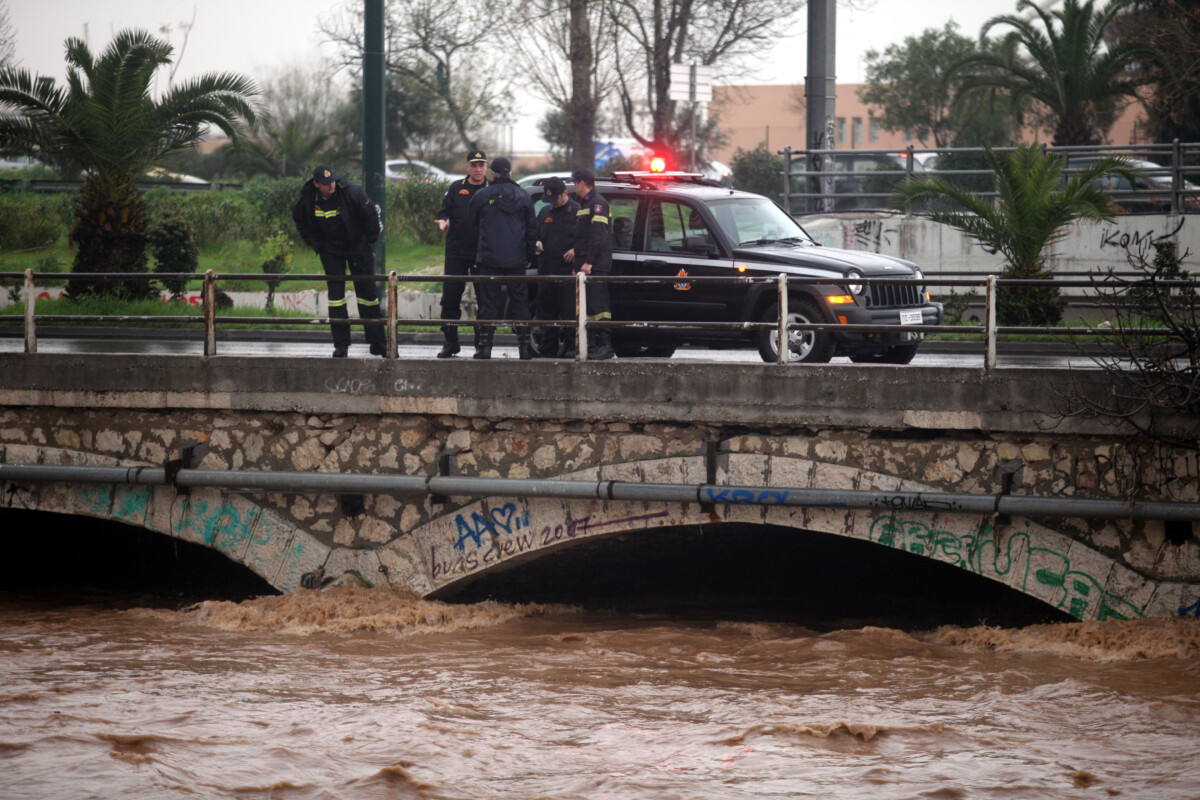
(658, 164)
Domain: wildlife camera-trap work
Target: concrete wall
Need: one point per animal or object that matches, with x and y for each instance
(1088, 246)
(880, 428)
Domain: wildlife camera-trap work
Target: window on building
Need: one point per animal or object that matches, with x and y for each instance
(874, 129)
(908, 137)
(856, 131)
(841, 134)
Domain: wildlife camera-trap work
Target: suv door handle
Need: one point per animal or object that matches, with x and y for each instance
(656, 263)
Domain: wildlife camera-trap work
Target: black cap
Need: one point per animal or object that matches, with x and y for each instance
(554, 187)
(584, 174)
(476, 155)
(501, 164)
(324, 174)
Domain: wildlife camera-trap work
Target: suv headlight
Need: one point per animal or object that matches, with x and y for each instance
(855, 288)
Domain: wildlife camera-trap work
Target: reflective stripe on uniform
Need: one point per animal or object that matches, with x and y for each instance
(599, 218)
(333, 212)
(367, 302)
(601, 315)
(583, 212)
(339, 303)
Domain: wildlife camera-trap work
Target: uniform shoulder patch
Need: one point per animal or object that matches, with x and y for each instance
(597, 208)
(464, 191)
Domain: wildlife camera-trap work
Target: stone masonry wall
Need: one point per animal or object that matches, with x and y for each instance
(969, 462)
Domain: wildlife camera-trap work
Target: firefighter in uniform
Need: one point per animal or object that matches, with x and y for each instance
(340, 222)
(462, 237)
(507, 245)
(592, 255)
(556, 236)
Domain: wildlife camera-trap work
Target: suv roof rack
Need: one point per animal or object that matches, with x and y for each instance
(638, 178)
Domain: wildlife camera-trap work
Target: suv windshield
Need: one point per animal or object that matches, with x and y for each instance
(756, 220)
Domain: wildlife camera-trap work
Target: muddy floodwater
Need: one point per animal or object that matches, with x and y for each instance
(354, 693)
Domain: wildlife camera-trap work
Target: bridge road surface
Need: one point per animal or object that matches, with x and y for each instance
(932, 354)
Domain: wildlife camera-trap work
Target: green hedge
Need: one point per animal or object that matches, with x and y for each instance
(30, 220)
(254, 213)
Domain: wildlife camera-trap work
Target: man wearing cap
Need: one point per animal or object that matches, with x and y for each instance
(337, 219)
(592, 255)
(507, 245)
(462, 237)
(556, 235)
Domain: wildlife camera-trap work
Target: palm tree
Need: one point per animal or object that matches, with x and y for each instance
(105, 124)
(1061, 60)
(1031, 210)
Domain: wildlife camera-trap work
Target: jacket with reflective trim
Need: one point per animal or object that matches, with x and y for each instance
(358, 213)
(593, 234)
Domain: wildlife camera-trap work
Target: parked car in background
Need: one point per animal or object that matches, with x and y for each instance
(404, 169)
(683, 226)
(861, 179)
(540, 178)
(1149, 193)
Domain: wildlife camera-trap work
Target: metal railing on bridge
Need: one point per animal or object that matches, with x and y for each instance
(863, 179)
(781, 326)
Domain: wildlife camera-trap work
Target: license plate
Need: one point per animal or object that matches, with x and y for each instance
(910, 317)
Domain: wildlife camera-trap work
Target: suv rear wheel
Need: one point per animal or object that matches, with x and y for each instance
(808, 347)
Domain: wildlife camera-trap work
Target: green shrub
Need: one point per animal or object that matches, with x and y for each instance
(173, 245)
(29, 220)
(277, 250)
(411, 209)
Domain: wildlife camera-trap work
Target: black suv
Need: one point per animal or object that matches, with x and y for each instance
(682, 226)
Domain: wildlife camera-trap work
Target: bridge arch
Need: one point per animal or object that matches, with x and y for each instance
(245, 532)
(497, 533)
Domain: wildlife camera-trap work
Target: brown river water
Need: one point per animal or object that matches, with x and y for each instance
(354, 693)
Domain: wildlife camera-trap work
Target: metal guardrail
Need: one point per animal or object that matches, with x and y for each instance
(781, 326)
(1180, 162)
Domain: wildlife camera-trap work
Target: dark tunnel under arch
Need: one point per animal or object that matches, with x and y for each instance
(820, 580)
(52, 553)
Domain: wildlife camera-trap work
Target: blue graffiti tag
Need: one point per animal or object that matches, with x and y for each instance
(1193, 609)
(505, 518)
(767, 497)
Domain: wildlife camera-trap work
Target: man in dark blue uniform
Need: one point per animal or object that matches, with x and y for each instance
(507, 246)
(592, 255)
(337, 219)
(556, 235)
(462, 237)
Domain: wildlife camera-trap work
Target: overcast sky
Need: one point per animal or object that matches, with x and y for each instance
(254, 36)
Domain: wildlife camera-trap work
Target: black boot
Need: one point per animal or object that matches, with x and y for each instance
(524, 345)
(483, 343)
(450, 348)
(600, 347)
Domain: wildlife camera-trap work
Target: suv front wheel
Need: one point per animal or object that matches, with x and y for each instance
(807, 347)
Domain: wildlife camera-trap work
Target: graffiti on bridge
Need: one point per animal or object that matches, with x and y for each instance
(489, 536)
(1076, 592)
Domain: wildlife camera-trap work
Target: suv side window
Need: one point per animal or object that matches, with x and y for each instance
(668, 224)
(623, 211)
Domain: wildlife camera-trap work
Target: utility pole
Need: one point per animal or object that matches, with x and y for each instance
(820, 94)
(374, 139)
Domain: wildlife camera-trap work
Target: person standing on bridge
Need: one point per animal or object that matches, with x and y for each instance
(507, 246)
(462, 238)
(556, 235)
(340, 222)
(592, 255)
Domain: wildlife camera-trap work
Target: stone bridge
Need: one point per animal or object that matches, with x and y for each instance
(879, 428)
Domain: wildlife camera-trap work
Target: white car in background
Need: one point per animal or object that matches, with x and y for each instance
(404, 169)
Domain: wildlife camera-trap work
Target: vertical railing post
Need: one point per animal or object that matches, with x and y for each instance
(30, 303)
(1177, 199)
(210, 313)
(581, 317)
(785, 353)
(989, 326)
(392, 312)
